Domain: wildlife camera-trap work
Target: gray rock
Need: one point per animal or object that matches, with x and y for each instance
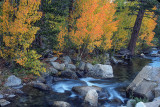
(140, 104)
(124, 52)
(1, 96)
(53, 71)
(83, 90)
(81, 66)
(67, 59)
(131, 102)
(58, 66)
(157, 91)
(91, 98)
(11, 96)
(40, 86)
(153, 104)
(61, 104)
(13, 81)
(4, 102)
(145, 82)
(101, 71)
(89, 67)
(115, 61)
(107, 62)
(69, 74)
(41, 79)
(51, 59)
(71, 67)
(157, 98)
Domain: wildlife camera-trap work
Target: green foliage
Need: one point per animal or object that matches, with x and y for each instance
(55, 13)
(138, 100)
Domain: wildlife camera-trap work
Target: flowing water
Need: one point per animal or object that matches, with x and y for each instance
(113, 89)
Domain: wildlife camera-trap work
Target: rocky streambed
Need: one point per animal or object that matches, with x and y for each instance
(85, 85)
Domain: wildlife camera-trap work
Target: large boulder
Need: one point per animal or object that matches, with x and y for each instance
(145, 82)
(101, 71)
(58, 66)
(61, 104)
(83, 90)
(91, 98)
(13, 81)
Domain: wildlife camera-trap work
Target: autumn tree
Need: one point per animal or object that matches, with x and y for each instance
(94, 25)
(18, 30)
(144, 4)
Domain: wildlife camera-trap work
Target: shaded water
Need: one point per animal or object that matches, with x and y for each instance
(114, 89)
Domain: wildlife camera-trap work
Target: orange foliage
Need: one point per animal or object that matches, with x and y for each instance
(18, 30)
(95, 25)
(148, 25)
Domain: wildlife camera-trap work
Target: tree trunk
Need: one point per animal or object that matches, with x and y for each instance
(135, 32)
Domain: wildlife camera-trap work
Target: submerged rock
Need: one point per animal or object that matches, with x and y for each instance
(13, 81)
(101, 71)
(146, 82)
(61, 104)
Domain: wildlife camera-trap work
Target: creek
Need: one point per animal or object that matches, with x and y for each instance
(114, 88)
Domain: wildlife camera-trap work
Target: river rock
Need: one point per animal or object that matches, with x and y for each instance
(58, 66)
(71, 67)
(40, 86)
(91, 98)
(53, 71)
(13, 81)
(68, 74)
(101, 71)
(83, 90)
(61, 104)
(153, 104)
(145, 82)
(82, 66)
(41, 79)
(1, 96)
(4, 102)
(67, 59)
(124, 52)
(115, 61)
(140, 104)
(51, 59)
(131, 102)
(157, 91)
(89, 67)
